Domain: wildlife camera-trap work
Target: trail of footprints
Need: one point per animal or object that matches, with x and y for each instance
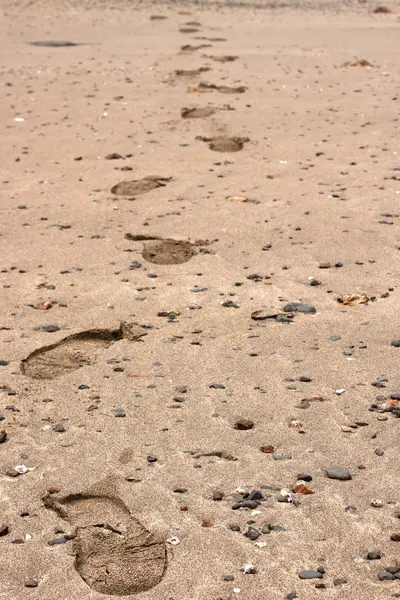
(114, 553)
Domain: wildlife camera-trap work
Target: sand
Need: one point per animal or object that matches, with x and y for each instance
(244, 155)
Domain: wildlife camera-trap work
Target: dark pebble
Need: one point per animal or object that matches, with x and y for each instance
(3, 363)
(234, 527)
(310, 575)
(339, 581)
(83, 386)
(31, 583)
(3, 529)
(255, 495)
(304, 477)
(180, 490)
(395, 396)
(305, 379)
(395, 343)
(12, 472)
(379, 452)
(57, 541)
(132, 479)
(321, 570)
(245, 504)
(152, 459)
(3, 437)
(291, 596)
(252, 533)
(385, 576)
(244, 424)
(228, 578)
(374, 555)
(393, 570)
(49, 328)
(216, 386)
(59, 428)
(218, 496)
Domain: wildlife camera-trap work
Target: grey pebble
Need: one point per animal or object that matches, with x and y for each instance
(281, 456)
(234, 527)
(339, 581)
(31, 583)
(393, 570)
(217, 386)
(302, 307)
(334, 338)
(374, 555)
(338, 473)
(385, 576)
(57, 541)
(119, 412)
(395, 343)
(59, 428)
(310, 575)
(228, 578)
(252, 533)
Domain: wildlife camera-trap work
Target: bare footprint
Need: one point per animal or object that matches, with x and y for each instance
(191, 72)
(224, 144)
(187, 48)
(224, 89)
(75, 351)
(114, 553)
(168, 252)
(139, 186)
(197, 112)
(222, 59)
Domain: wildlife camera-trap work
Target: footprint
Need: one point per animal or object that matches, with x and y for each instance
(54, 43)
(224, 89)
(158, 17)
(188, 30)
(197, 112)
(139, 186)
(224, 144)
(191, 72)
(223, 59)
(168, 252)
(114, 553)
(188, 48)
(75, 351)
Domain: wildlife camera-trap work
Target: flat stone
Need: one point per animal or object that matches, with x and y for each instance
(393, 570)
(304, 477)
(338, 473)
(217, 386)
(281, 456)
(310, 574)
(31, 583)
(245, 504)
(395, 343)
(385, 576)
(244, 424)
(252, 533)
(119, 412)
(234, 527)
(59, 428)
(302, 307)
(3, 529)
(228, 578)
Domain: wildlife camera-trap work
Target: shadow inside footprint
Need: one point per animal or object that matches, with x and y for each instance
(223, 89)
(191, 72)
(168, 252)
(223, 59)
(224, 144)
(75, 351)
(200, 112)
(188, 48)
(139, 186)
(114, 553)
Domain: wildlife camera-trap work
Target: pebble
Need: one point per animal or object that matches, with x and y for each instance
(338, 473)
(300, 307)
(304, 477)
(252, 533)
(310, 574)
(132, 479)
(3, 436)
(3, 529)
(218, 496)
(245, 504)
(31, 583)
(395, 537)
(395, 343)
(119, 412)
(59, 428)
(217, 386)
(244, 424)
(339, 581)
(291, 596)
(385, 576)
(234, 527)
(152, 459)
(228, 578)
(374, 555)
(4, 363)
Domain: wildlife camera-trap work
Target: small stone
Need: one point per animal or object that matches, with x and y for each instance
(339, 581)
(379, 452)
(304, 477)
(59, 428)
(374, 555)
(216, 386)
(152, 459)
(385, 576)
(395, 343)
(244, 424)
(393, 570)
(31, 583)
(180, 490)
(320, 586)
(282, 457)
(395, 537)
(338, 473)
(234, 527)
(218, 496)
(310, 574)
(3, 529)
(57, 541)
(291, 596)
(132, 479)
(228, 578)
(11, 472)
(245, 504)
(252, 533)
(300, 307)
(4, 363)
(3, 436)
(305, 379)
(119, 412)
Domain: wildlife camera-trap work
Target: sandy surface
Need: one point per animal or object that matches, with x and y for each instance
(317, 181)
